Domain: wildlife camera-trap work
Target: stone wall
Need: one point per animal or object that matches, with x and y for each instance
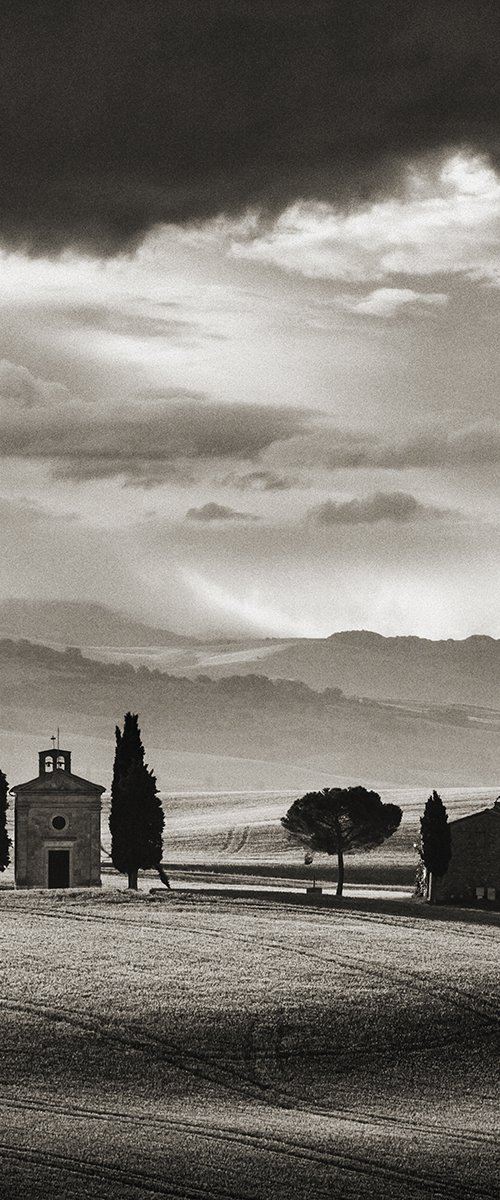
(475, 859)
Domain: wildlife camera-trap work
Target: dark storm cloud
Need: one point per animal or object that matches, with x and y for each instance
(115, 116)
(218, 512)
(144, 442)
(382, 506)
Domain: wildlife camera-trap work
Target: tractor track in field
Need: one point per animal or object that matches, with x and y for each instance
(262, 1086)
(144, 1182)
(412, 924)
(417, 924)
(286, 1147)
(489, 1011)
(242, 839)
(228, 837)
(486, 1010)
(104, 1029)
(233, 1133)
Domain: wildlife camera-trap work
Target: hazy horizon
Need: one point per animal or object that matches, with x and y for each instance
(80, 617)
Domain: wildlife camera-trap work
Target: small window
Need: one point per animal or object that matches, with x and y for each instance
(59, 822)
(49, 763)
(60, 762)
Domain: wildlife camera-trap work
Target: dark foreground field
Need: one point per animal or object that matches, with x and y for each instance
(207, 1047)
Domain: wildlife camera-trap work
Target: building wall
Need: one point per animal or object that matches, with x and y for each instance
(35, 835)
(475, 858)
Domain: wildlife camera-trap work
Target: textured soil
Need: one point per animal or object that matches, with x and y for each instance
(197, 1046)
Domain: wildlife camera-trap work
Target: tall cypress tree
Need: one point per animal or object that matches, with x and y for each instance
(129, 747)
(136, 819)
(435, 837)
(5, 842)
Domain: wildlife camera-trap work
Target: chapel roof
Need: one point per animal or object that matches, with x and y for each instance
(58, 781)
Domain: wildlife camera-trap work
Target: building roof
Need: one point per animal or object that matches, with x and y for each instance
(484, 814)
(57, 781)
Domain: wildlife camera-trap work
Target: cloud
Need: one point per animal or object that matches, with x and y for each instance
(382, 506)
(472, 446)
(258, 481)
(144, 441)
(118, 116)
(218, 512)
(445, 220)
(387, 302)
(475, 446)
(21, 390)
(126, 323)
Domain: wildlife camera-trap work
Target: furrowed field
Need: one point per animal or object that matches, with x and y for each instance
(201, 1046)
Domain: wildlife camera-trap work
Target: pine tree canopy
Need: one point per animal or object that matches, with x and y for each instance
(5, 842)
(435, 836)
(341, 820)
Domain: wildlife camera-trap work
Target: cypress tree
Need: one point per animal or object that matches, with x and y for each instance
(5, 842)
(435, 837)
(136, 819)
(129, 747)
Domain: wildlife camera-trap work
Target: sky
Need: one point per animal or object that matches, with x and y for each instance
(249, 311)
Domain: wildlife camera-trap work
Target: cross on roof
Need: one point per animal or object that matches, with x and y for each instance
(53, 740)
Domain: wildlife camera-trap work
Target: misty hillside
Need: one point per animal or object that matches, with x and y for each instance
(358, 662)
(79, 623)
(326, 737)
(367, 664)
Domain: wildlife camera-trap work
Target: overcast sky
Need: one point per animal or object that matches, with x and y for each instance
(250, 300)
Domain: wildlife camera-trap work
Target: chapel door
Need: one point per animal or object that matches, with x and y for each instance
(58, 868)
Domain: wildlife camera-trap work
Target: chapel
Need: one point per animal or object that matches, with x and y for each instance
(57, 826)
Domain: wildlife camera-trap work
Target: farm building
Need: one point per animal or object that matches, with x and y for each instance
(57, 826)
(474, 869)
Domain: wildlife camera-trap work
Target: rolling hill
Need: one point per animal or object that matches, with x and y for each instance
(79, 623)
(359, 662)
(240, 731)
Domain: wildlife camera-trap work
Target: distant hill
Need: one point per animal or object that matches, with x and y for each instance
(78, 623)
(367, 664)
(259, 732)
(400, 668)
(360, 663)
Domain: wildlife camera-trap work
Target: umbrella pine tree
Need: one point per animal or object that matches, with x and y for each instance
(339, 821)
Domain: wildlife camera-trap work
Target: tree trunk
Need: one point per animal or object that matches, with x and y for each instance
(132, 880)
(340, 879)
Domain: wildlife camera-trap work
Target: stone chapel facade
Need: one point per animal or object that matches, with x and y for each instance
(57, 826)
